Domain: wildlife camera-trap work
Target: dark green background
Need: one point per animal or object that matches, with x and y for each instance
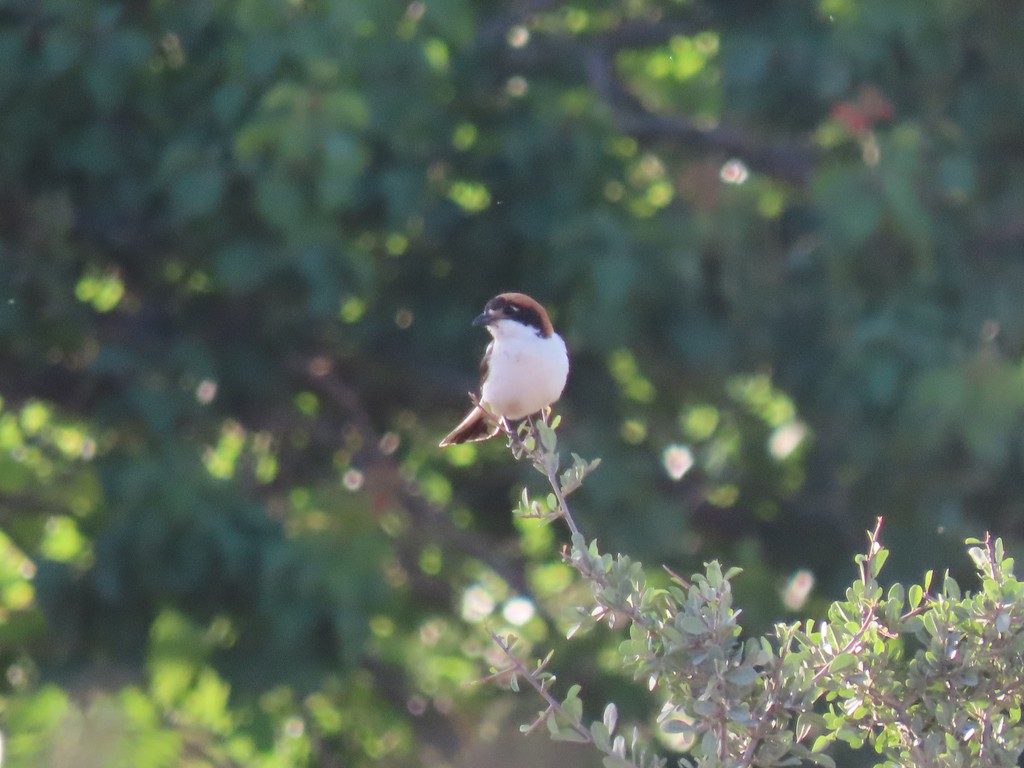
(241, 243)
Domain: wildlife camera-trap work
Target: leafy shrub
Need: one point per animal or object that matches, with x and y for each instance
(926, 675)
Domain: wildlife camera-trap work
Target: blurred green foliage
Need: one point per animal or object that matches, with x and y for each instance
(240, 246)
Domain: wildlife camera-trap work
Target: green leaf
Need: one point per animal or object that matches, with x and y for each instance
(916, 594)
(742, 676)
(821, 759)
(979, 556)
(676, 725)
(548, 439)
(571, 705)
(1003, 622)
(610, 717)
(551, 721)
(896, 594)
(913, 625)
(570, 735)
(710, 743)
(822, 743)
(842, 662)
(579, 544)
(601, 736)
(878, 561)
(692, 625)
(803, 726)
(950, 588)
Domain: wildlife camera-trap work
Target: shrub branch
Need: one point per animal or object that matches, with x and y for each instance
(928, 678)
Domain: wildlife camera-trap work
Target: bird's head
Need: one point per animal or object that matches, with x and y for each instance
(516, 308)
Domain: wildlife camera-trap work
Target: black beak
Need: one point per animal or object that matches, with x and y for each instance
(485, 318)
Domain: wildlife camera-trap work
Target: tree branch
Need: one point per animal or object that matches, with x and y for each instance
(790, 162)
(594, 56)
(554, 705)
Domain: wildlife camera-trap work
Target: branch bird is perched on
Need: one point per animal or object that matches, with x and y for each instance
(523, 371)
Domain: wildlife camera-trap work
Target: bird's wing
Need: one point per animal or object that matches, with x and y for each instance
(485, 363)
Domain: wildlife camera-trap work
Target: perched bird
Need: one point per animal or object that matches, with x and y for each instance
(523, 371)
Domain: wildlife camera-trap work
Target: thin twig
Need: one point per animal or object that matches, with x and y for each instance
(556, 486)
(869, 615)
(553, 704)
(549, 465)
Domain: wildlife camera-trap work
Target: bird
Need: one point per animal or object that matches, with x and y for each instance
(523, 371)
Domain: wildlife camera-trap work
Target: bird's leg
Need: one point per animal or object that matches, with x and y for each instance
(515, 440)
(519, 439)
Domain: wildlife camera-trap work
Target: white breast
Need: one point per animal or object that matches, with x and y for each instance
(526, 372)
